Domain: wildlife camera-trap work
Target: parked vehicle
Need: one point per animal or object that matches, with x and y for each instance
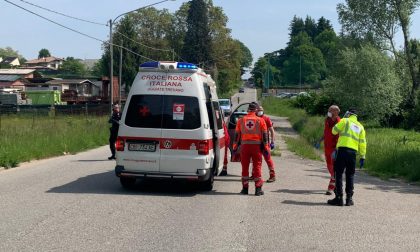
(226, 106)
(241, 90)
(171, 126)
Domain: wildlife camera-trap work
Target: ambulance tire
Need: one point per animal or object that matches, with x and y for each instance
(207, 185)
(128, 182)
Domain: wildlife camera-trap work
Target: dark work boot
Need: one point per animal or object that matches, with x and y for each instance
(349, 201)
(259, 191)
(337, 201)
(244, 191)
(224, 172)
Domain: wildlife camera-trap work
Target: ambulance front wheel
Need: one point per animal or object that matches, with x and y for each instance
(207, 185)
(128, 182)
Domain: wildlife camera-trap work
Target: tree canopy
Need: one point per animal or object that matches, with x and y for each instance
(43, 53)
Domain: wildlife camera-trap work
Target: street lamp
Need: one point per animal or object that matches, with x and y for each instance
(111, 47)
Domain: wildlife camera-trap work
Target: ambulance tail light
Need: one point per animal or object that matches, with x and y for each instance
(203, 147)
(119, 144)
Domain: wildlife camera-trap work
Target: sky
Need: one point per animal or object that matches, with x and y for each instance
(262, 25)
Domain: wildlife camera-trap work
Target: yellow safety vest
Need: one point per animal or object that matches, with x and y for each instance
(352, 135)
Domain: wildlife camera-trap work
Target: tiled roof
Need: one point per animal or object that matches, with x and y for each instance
(9, 78)
(16, 71)
(68, 81)
(43, 60)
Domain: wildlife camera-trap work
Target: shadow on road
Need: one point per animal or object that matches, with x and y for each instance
(91, 160)
(108, 183)
(302, 203)
(371, 183)
(306, 192)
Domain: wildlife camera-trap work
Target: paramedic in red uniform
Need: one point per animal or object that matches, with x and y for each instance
(267, 154)
(330, 143)
(227, 142)
(251, 135)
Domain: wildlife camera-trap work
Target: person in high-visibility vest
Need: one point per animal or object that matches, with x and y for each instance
(267, 154)
(352, 139)
(251, 135)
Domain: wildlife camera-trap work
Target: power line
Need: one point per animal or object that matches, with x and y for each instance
(62, 14)
(149, 47)
(92, 22)
(78, 32)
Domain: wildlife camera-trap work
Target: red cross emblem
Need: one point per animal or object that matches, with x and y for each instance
(144, 111)
(250, 124)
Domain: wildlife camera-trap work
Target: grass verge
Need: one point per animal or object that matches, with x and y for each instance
(302, 148)
(24, 138)
(391, 153)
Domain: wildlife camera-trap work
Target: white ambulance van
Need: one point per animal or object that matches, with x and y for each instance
(171, 126)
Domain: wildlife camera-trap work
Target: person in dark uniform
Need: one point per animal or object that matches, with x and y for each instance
(115, 118)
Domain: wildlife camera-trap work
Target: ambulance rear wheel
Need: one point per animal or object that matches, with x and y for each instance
(128, 182)
(207, 185)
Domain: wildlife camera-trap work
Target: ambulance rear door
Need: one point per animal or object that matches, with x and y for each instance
(143, 134)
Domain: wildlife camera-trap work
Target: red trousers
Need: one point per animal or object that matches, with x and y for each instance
(251, 152)
(330, 166)
(225, 160)
(270, 163)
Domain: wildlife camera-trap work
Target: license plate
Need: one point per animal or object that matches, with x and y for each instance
(149, 147)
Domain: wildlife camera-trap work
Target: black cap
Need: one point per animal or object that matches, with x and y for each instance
(353, 111)
(252, 106)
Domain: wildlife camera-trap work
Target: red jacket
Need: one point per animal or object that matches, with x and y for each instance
(330, 140)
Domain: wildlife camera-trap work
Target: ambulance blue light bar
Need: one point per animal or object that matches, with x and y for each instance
(185, 65)
(150, 64)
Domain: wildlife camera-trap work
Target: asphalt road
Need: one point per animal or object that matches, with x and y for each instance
(75, 203)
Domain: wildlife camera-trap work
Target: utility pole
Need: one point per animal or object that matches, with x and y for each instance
(120, 74)
(300, 73)
(111, 72)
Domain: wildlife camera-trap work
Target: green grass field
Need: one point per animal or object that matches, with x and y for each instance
(25, 138)
(391, 153)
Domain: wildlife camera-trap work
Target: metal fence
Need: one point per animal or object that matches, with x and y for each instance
(56, 110)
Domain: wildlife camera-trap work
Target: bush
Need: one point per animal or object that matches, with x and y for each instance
(365, 78)
(314, 103)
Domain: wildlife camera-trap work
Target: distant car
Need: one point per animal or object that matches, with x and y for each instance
(304, 94)
(226, 106)
(283, 95)
(241, 90)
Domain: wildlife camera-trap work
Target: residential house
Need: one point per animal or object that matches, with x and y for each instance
(83, 87)
(9, 62)
(45, 62)
(16, 78)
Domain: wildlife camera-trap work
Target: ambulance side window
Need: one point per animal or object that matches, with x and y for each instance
(210, 113)
(219, 115)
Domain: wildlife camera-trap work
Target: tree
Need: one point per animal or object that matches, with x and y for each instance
(311, 27)
(9, 52)
(322, 25)
(329, 44)
(365, 78)
(296, 26)
(197, 42)
(43, 53)
(246, 56)
(72, 66)
(380, 20)
(306, 65)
